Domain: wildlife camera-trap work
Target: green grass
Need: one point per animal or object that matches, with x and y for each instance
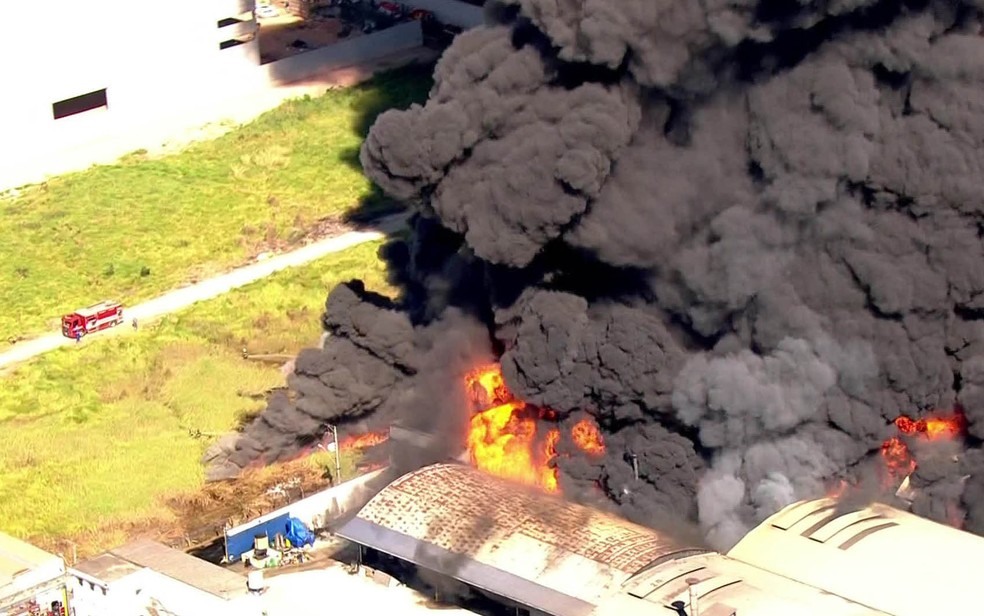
(135, 229)
(98, 434)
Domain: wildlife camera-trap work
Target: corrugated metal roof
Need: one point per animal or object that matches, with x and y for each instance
(18, 557)
(183, 567)
(479, 575)
(493, 526)
(107, 568)
(866, 553)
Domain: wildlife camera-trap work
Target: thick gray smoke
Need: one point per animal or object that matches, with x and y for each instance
(744, 235)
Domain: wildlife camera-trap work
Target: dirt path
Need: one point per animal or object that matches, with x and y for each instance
(179, 299)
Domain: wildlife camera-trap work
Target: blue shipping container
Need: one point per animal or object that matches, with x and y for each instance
(242, 542)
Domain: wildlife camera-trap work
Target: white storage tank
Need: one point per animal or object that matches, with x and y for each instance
(255, 581)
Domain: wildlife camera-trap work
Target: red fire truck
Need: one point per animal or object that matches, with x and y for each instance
(92, 319)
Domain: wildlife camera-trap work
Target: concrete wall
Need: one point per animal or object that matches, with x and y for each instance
(159, 64)
(450, 11)
(240, 541)
(401, 37)
(320, 509)
(317, 509)
(90, 597)
(161, 67)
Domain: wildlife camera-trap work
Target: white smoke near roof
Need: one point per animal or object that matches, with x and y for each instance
(752, 409)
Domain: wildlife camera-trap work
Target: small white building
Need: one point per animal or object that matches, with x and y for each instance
(29, 578)
(145, 575)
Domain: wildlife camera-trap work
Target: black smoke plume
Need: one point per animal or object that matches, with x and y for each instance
(744, 235)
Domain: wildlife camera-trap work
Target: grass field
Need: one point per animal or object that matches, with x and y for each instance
(101, 435)
(135, 229)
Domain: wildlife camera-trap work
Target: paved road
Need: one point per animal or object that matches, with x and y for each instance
(207, 289)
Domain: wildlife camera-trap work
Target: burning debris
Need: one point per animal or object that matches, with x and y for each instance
(899, 460)
(744, 237)
(362, 441)
(504, 437)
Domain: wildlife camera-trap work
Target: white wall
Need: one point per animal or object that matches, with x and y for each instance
(162, 70)
(90, 598)
(333, 502)
(36, 576)
(138, 51)
(133, 594)
(159, 62)
(184, 600)
(311, 510)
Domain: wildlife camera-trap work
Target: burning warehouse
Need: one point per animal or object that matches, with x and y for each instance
(541, 555)
(724, 257)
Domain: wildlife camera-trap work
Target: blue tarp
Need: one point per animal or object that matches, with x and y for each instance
(298, 533)
(242, 542)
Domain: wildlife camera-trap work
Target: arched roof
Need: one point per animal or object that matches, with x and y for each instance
(723, 586)
(533, 548)
(880, 556)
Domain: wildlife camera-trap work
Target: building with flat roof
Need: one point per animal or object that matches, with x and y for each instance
(146, 574)
(30, 578)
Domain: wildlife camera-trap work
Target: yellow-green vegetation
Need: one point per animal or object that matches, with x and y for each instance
(135, 229)
(96, 436)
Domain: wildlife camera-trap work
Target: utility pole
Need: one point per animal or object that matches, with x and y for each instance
(338, 458)
(635, 465)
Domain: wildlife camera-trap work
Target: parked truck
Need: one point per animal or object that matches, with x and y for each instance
(91, 319)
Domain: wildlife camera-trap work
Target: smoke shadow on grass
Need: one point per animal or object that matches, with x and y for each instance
(398, 88)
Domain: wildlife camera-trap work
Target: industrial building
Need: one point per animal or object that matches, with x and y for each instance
(889, 559)
(146, 575)
(527, 553)
(87, 82)
(31, 580)
(535, 554)
(97, 71)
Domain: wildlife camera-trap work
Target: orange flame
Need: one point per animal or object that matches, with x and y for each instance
(838, 489)
(935, 428)
(504, 437)
(895, 451)
(587, 437)
(486, 387)
(363, 441)
(897, 459)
